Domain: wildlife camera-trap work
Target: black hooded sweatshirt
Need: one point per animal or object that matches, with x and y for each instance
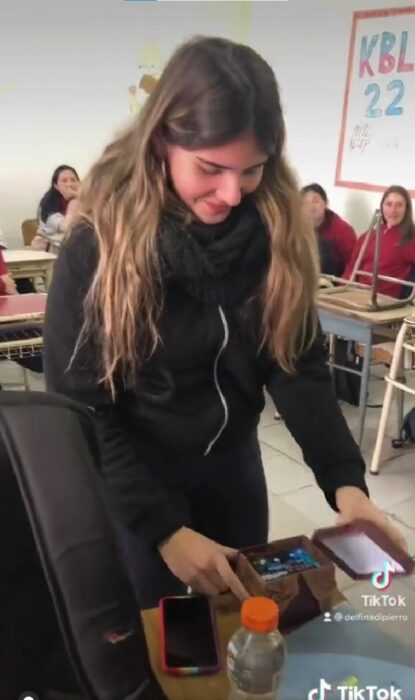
(203, 388)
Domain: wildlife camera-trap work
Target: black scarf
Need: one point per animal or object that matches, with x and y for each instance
(217, 263)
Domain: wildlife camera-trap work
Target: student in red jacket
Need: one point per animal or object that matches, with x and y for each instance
(336, 237)
(397, 252)
(7, 284)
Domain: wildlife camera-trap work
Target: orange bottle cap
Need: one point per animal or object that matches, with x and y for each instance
(260, 614)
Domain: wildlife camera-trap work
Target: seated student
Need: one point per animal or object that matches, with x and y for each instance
(328, 259)
(333, 232)
(23, 285)
(397, 251)
(7, 283)
(57, 204)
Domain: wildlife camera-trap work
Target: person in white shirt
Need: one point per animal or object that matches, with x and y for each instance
(21, 286)
(56, 205)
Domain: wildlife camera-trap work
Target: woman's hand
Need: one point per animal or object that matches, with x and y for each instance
(353, 504)
(70, 215)
(69, 191)
(201, 563)
(9, 284)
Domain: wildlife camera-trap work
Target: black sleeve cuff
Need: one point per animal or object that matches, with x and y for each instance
(331, 495)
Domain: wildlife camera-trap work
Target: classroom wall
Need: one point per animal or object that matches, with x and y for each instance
(309, 55)
(64, 82)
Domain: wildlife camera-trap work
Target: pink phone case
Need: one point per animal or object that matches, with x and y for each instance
(322, 537)
(188, 670)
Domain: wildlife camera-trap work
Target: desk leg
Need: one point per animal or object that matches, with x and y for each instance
(332, 352)
(367, 359)
(395, 368)
(400, 396)
(48, 277)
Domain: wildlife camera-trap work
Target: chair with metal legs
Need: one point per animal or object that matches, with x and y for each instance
(404, 348)
(366, 297)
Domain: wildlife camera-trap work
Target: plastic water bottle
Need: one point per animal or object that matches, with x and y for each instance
(256, 652)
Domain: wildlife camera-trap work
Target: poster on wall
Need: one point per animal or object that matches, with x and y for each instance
(377, 139)
(234, 21)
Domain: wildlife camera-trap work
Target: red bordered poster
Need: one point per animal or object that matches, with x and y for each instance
(377, 139)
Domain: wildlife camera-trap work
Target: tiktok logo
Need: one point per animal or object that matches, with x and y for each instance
(382, 579)
(320, 693)
(352, 692)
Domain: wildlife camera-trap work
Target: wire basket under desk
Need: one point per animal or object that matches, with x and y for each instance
(19, 341)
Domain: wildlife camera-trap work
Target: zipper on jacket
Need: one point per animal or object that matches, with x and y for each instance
(215, 377)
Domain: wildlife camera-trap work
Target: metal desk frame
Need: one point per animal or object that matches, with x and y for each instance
(337, 323)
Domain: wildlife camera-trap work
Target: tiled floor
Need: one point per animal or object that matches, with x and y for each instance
(297, 505)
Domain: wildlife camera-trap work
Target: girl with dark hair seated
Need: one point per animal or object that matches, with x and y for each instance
(336, 238)
(397, 249)
(56, 205)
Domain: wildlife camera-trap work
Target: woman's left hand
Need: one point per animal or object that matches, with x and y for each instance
(353, 504)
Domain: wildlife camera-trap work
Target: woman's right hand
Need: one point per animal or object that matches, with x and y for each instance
(69, 191)
(201, 563)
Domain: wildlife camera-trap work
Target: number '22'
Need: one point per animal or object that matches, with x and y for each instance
(393, 109)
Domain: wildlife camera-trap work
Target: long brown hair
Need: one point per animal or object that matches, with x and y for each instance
(407, 227)
(210, 92)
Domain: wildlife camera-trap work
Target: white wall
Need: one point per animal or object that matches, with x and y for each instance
(67, 67)
(307, 43)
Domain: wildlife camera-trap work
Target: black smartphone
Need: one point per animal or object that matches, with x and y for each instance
(189, 640)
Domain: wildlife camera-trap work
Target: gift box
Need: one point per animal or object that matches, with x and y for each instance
(301, 595)
(299, 573)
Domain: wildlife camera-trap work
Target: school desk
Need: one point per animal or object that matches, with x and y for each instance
(28, 263)
(361, 326)
(21, 325)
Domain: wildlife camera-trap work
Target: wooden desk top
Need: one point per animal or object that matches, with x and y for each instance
(27, 255)
(215, 687)
(22, 307)
(377, 318)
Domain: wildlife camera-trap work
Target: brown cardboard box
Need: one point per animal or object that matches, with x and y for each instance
(301, 596)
